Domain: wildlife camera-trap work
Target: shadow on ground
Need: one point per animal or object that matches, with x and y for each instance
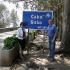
(37, 59)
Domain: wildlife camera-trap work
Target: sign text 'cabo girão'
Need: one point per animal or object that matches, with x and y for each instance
(36, 19)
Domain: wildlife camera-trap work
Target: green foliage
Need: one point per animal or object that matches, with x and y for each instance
(10, 42)
(14, 17)
(4, 13)
(2, 7)
(13, 14)
(32, 31)
(1, 25)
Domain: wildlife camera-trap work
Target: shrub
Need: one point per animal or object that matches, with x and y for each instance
(10, 42)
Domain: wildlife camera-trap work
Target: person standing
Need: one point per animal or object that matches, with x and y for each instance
(51, 32)
(21, 38)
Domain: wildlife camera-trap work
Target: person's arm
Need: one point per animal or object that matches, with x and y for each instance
(46, 31)
(18, 33)
(54, 37)
(55, 31)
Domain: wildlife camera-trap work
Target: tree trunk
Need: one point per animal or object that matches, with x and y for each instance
(65, 43)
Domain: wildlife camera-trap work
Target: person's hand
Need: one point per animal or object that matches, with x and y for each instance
(24, 37)
(21, 36)
(46, 35)
(53, 39)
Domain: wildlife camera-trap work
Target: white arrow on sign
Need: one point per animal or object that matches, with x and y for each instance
(47, 15)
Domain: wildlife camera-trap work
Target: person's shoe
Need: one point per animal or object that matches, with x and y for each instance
(49, 56)
(52, 59)
(23, 55)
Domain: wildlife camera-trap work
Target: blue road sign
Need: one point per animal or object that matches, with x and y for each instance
(36, 19)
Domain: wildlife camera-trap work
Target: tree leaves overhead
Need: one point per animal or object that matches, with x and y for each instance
(40, 4)
(43, 4)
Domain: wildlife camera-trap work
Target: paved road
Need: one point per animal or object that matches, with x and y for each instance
(4, 35)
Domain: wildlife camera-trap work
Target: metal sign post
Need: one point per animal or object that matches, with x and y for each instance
(28, 40)
(43, 41)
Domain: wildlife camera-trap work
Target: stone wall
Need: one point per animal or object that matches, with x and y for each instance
(7, 29)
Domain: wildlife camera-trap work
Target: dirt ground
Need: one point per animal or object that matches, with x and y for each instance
(37, 59)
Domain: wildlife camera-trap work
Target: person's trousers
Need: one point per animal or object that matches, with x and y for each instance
(52, 48)
(22, 43)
